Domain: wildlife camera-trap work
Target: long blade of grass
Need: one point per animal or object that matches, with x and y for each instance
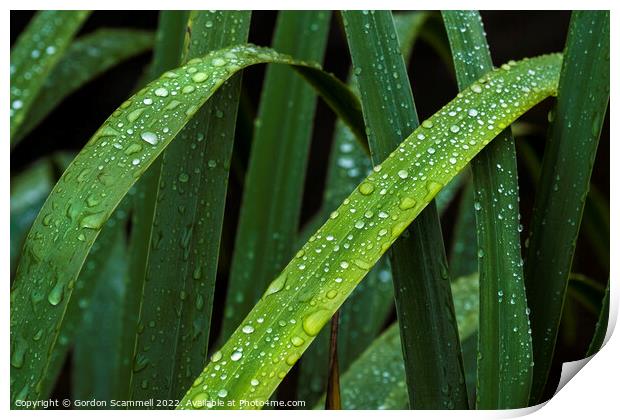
(299, 302)
(505, 346)
(422, 287)
(187, 227)
(583, 96)
(96, 358)
(37, 50)
(85, 59)
(92, 278)
(376, 379)
(97, 180)
(365, 311)
(273, 190)
(29, 191)
(166, 55)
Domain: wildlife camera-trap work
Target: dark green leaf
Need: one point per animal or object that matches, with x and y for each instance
(583, 96)
(505, 344)
(273, 190)
(421, 283)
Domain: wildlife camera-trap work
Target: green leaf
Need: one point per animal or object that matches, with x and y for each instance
(505, 344)
(85, 59)
(583, 96)
(92, 278)
(299, 302)
(365, 312)
(187, 224)
(167, 52)
(30, 189)
(96, 358)
(95, 183)
(421, 283)
(376, 379)
(273, 190)
(37, 50)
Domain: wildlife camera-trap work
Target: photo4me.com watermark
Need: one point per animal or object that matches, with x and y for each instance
(67, 403)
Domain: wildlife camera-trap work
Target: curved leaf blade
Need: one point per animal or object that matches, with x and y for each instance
(167, 54)
(376, 379)
(85, 59)
(37, 50)
(299, 302)
(424, 306)
(505, 343)
(177, 303)
(273, 188)
(583, 96)
(94, 184)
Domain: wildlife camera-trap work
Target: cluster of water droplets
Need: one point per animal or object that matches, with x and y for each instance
(335, 259)
(79, 205)
(48, 34)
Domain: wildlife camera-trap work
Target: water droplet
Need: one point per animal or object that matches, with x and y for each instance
(149, 137)
(403, 174)
(247, 329)
(19, 353)
(222, 393)
(163, 92)
(56, 294)
(407, 203)
(183, 177)
(216, 357)
(427, 124)
(134, 115)
(93, 220)
(297, 341)
(199, 400)
(366, 188)
(200, 302)
(92, 201)
(132, 148)
(140, 362)
(236, 355)
(432, 188)
(292, 358)
(200, 77)
(361, 264)
(276, 285)
(454, 128)
(313, 323)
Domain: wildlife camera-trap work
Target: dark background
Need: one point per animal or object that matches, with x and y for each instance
(511, 35)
